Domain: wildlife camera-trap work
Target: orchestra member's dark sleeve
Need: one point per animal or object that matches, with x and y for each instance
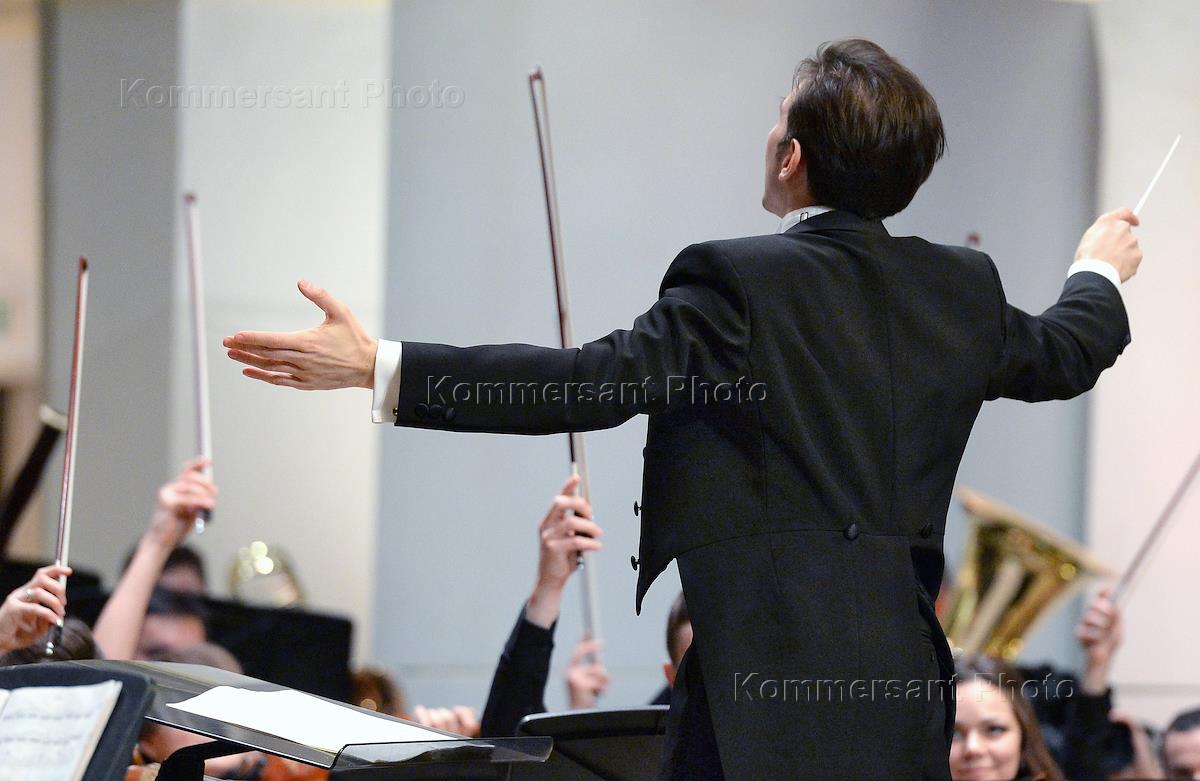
(519, 684)
(1085, 734)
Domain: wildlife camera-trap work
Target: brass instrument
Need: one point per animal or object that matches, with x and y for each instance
(1013, 574)
(263, 575)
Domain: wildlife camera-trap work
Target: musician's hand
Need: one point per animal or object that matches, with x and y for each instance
(178, 502)
(1099, 632)
(460, 719)
(29, 611)
(586, 677)
(1110, 238)
(338, 353)
(563, 537)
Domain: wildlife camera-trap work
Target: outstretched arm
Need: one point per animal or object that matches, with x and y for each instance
(1061, 353)
(120, 622)
(699, 328)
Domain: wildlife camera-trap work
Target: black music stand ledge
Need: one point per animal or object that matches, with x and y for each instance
(622, 744)
(465, 760)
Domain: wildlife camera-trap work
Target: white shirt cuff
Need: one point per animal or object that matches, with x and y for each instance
(1100, 267)
(387, 382)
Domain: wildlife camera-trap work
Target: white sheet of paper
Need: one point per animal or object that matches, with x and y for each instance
(301, 718)
(49, 733)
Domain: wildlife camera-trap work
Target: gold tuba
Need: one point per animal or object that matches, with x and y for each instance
(1013, 574)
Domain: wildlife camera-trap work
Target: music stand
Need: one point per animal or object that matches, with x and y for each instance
(264, 640)
(455, 758)
(113, 751)
(622, 744)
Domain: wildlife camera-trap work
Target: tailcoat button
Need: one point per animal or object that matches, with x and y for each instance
(450, 414)
(633, 562)
(637, 509)
(851, 531)
(927, 530)
(421, 410)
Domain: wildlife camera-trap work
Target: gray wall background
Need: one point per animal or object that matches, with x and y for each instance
(286, 192)
(110, 194)
(660, 113)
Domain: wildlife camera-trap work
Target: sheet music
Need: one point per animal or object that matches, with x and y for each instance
(301, 718)
(48, 733)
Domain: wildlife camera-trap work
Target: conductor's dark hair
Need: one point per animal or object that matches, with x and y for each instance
(869, 128)
(676, 619)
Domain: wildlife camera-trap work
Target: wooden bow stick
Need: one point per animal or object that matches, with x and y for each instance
(200, 360)
(62, 548)
(576, 450)
(1156, 531)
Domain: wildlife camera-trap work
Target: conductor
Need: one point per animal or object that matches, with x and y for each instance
(810, 394)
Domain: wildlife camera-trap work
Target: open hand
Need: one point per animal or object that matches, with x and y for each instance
(335, 354)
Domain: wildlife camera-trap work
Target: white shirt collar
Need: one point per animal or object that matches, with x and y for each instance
(792, 218)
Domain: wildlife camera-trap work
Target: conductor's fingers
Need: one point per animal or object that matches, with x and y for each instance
(1124, 213)
(269, 340)
(321, 297)
(261, 361)
(275, 378)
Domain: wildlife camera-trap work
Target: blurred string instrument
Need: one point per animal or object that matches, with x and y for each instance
(1014, 573)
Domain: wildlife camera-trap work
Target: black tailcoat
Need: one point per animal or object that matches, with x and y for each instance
(810, 395)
